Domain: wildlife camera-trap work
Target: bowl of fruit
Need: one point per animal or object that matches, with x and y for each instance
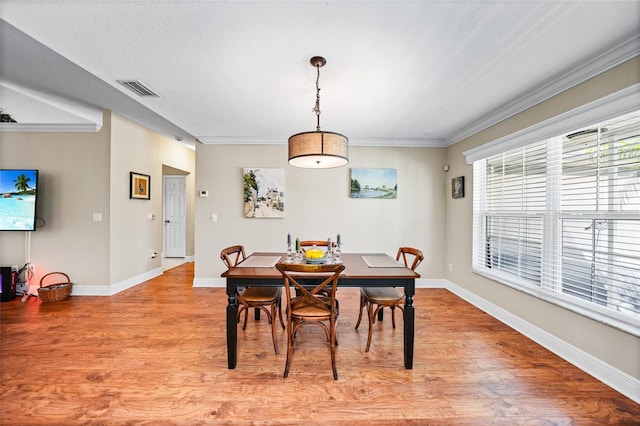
(314, 255)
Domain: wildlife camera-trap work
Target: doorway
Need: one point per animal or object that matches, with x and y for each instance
(174, 216)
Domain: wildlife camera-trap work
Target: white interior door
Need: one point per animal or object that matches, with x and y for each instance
(175, 216)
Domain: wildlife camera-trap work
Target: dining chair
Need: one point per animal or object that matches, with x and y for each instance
(375, 299)
(317, 243)
(267, 299)
(309, 305)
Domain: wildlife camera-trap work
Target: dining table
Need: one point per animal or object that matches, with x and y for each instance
(361, 270)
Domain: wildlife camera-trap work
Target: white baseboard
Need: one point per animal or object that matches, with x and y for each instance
(110, 290)
(90, 290)
(210, 282)
(618, 380)
(431, 283)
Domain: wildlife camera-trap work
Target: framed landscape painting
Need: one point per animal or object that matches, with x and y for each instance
(374, 183)
(263, 193)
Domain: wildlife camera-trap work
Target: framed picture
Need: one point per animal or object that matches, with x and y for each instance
(457, 187)
(374, 183)
(263, 193)
(139, 186)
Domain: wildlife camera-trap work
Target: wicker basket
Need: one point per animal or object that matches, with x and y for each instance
(54, 292)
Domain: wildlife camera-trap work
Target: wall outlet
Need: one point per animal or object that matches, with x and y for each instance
(450, 267)
(14, 268)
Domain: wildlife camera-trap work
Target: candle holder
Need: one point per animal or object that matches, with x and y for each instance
(289, 254)
(329, 255)
(337, 253)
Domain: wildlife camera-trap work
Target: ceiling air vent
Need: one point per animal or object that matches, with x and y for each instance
(139, 87)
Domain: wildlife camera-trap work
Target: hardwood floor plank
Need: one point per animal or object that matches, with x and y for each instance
(156, 354)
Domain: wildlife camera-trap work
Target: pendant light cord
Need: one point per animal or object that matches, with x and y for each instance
(316, 109)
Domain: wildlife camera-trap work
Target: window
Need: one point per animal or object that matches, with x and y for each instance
(560, 219)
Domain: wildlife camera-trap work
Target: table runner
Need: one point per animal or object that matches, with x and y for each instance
(377, 261)
(259, 262)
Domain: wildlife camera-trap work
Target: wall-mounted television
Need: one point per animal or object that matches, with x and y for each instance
(18, 199)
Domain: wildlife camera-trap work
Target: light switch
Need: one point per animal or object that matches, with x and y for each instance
(97, 217)
(151, 216)
(214, 217)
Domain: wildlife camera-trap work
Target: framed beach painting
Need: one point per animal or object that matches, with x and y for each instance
(139, 186)
(374, 183)
(263, 193)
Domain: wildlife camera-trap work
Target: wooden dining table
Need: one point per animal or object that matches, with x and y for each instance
(361, 270)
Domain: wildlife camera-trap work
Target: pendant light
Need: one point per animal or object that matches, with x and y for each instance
(318, 149)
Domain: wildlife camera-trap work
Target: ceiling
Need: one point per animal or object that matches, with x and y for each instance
(414, 73)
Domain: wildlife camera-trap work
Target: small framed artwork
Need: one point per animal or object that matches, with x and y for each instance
(139, 186)
(457, 187)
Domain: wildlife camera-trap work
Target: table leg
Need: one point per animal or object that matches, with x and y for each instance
(409, 329)
(232, 331)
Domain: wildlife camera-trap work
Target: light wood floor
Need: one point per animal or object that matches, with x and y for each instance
(156, 354)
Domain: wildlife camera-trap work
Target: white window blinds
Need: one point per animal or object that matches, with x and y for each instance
(561, 218)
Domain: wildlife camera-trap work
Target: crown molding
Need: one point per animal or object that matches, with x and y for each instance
(381, 142)
(613, 105)
(88, 113)
(241, 140)
(50, 127)
(398, 142)
(611, 58)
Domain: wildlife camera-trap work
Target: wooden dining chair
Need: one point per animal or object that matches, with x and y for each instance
(375, 299)
(308, 305)
(267, 299)
(317, 243)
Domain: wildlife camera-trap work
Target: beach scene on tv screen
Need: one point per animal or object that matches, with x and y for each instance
(17, 199)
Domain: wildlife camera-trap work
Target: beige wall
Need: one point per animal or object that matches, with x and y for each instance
(317, 205)
(74, 183)
(137, 149)
(614, 347)
(86, 173)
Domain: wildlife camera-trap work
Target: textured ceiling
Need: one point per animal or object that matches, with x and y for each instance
(398, 73)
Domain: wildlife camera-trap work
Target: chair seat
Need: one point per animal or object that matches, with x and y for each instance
(261, 294)
(383, 295)
(303, 307)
